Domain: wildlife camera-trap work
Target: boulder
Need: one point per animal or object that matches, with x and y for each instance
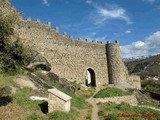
(24, 81)
(49, 80)
(38, 61)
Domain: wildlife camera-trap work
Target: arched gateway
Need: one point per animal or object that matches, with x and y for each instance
(91, 78)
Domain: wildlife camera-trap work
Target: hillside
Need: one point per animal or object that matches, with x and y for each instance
(148, 67)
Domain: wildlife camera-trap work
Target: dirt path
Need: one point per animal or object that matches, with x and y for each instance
(95, 107)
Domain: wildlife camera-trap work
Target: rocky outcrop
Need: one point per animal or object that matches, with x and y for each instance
(44, 79)
(24, 81)
(38, 61)
(144, 97)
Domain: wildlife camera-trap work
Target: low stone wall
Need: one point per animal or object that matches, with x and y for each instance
(132, 100)
(135, 81)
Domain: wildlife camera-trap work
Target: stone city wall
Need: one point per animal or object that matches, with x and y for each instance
(69, 58)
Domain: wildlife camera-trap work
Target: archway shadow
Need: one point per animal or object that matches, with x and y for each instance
(93, 78)
(4, 100)
(44, 107)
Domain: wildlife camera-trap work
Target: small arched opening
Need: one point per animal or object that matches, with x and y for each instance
(91, 78)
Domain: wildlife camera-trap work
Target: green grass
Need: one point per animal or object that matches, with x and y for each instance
(110, 92)
(57, 115)
(77, 104)
(7, 80)
(152, 104)
(33, 116)
(21, 98)
(78, 101)
(112, 111)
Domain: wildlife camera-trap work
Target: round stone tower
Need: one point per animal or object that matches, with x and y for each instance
(117, 72)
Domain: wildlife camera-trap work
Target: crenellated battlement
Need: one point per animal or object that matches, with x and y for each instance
(28, 23)
(115, 42)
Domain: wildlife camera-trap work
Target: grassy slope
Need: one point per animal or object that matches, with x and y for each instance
(114, 112)
(110, 92)
(25, 109)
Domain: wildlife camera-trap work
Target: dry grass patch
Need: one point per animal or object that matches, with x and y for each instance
(12, 111)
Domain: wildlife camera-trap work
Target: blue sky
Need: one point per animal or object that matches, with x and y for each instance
(134, 23)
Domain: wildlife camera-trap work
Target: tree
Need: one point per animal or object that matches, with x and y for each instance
(12, 54)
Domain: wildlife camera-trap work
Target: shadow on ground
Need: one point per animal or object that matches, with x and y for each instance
(4, 100)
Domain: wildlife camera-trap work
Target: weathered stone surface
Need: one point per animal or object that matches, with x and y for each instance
(24, 81)
(116, 68)
(119, 99)
(58, 101)
(49, 80)
(135, 81)
(142, 97)
(38, 61)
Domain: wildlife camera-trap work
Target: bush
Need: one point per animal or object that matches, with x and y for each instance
(88, 118)
(12, 54)
(151, 85)
(100, 113)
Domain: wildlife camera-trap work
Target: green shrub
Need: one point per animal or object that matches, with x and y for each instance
(101, 113)
(77, 86)
(110, 92)
(12, 54)
(123, 106)
(88, 118)
(151, 85)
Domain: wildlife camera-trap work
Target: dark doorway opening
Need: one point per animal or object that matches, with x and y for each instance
(91, 78)
(44, 107)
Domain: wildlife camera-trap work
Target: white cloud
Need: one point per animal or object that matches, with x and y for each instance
(93, 36)
(138, 44)
(150, 46)
(128, 31)
(88, 1)
(150, 1)
(105, 14)
(45, 2)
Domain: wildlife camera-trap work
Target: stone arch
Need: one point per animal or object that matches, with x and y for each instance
(91, 78)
